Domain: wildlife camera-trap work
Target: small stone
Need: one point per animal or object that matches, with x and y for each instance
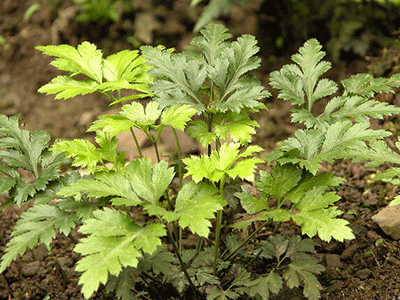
(336, 286)
(393, 261)
(363, 274)
(333, 261)
(39, 253)
(388, 219)
(350, 251)
(372, 235)
(30, 269)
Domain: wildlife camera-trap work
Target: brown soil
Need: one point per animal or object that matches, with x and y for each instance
(357, 269)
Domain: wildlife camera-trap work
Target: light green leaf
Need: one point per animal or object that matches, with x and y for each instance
(142, 118)
(196, 204)
(177, 116)
(84, 152)
(38, 224)
(112, 124)
(114, 241)
(86, 59)
(198, 129)
(66, 87)
(148, 181)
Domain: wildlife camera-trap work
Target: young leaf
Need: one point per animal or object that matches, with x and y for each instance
(86, 59)
(264, 285)
(148, 181)
(177, 116)
(38, 224)
(112, 124)
(222, 163)
(139, 116)
(114, 242)
(195, 204)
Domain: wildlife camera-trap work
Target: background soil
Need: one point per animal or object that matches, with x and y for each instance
(357, 269)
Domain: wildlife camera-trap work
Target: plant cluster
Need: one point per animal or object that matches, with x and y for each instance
(136, 217)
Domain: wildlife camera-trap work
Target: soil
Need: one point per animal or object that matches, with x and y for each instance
(364, 268)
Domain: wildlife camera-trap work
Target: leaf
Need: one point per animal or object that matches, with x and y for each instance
(123, 283)
(142, 118)
(198, 129)
(222, 162)
(84, 152)
(367, 86)
(66, 87)
(28, 150)
(149, 182)
(86, 59)
(112, 124)
(211, 12)
(263, 285)
(315, 219)
(114, 242)
(177, 116)
(195, 204)
(38, 224)
(280, 181)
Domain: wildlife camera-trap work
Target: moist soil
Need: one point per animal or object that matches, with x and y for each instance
(363, 268)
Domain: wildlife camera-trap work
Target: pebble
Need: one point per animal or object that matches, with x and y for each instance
(388, 219)
(350, 251)
(336, 286)
(30, 269)
(333, 261)
(363, 274)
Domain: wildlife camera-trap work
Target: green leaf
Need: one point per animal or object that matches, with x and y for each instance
(112, 124)
(196, 204)
(86, 59)
(126, 64)
(38, 224)
(84, 152)
(211, 12)
(367, 86)
(222, 162)
(66, 87)
(198, 129)
(114, 242)
(177, 116)
(149, 182)
(264, 285)
(280, 181)
(142, 118)
(315, 219)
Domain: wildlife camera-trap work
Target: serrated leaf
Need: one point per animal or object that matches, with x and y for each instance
(198, 129)
(86, 59)
(196, 204)
(263, 285)
(140, 116)
(149, 182)
(38, 224)
(222, 162)
(112, 124)
(84, 152)
(123, 284)
(66, 87)
(114, 241)
(239, 127)
(211, 12)
(126, 64)
(315, 219)
(177, 116)
(366, 85)
(280, 181)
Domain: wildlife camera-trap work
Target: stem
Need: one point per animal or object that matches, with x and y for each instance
(181, 262)
(179, 153)
(136, 142)
(246, 241)
(210, 122)
(218, 229)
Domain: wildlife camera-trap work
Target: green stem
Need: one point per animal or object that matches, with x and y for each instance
(246, 241)
(218, 228)
(179, 153)
(136, 142)
(181, 262)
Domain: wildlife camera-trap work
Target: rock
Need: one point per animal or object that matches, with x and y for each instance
(388, 219)
(333, 261)
(363, 274)
(30, 269)
(350, 251)
(336, 286)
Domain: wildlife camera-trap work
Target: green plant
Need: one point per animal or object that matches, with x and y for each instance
(101, 10)
(136, 217)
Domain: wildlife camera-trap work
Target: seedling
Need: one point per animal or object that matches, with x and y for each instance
(136, 217)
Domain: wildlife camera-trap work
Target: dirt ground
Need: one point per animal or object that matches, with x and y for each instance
(357, 269)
